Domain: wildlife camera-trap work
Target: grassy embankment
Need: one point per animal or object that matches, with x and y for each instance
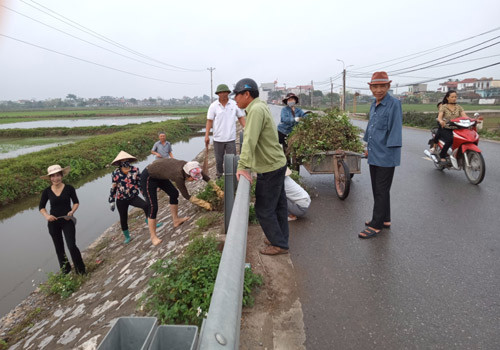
(20, 176)
(33, 115)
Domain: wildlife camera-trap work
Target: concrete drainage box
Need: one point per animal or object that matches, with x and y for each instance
(173, 337)
(130, 333)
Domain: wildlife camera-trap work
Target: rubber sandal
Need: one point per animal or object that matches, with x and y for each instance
(367, 223)
(368, 233)
(273, 250)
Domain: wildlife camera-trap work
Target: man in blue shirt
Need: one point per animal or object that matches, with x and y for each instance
(384, 140)
(162, 148)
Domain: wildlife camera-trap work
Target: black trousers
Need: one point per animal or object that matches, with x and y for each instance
(447, 136)
(150, 186)
(56, 229)
(282, 140)
(271, 206)
(381, 186)
(122, 206)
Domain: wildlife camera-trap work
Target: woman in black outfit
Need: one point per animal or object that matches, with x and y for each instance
(61, 220)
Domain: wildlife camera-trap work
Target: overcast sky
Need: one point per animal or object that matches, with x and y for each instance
(291, 41)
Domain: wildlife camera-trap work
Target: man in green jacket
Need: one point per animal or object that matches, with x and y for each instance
(262, 153)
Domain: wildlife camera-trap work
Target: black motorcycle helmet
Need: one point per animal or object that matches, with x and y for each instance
(245, 84)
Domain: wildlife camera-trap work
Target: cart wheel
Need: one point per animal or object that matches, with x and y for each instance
(343, 182)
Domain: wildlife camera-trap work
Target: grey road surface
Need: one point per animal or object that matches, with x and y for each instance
(430, 282)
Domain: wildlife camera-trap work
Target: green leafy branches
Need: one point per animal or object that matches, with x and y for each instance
(320, 133)
(182, 287)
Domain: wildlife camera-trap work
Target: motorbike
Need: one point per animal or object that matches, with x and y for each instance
(464, 152)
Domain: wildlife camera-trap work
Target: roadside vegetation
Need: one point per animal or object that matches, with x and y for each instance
(20, 176)
(181, 289)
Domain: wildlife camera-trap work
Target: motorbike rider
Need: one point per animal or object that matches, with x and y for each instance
(448, 110)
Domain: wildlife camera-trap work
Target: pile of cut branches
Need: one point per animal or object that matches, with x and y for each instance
(320, 133)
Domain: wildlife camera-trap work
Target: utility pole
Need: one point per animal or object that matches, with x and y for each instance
(331, 93)
(211, 69)
(343, 91)
(312, 93)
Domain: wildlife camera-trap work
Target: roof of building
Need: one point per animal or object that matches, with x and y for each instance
(468, 80)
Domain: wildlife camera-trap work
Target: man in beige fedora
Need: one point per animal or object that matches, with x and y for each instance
(384, 140)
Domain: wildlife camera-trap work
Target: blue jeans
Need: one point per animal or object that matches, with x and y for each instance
(271, 206)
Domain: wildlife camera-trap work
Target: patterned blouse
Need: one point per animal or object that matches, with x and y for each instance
(125, 186)
(448, 114)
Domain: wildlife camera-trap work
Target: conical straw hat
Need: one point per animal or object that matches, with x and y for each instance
(123, 156)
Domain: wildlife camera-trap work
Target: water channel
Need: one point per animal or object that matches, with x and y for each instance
(27, 253)
(88, 121)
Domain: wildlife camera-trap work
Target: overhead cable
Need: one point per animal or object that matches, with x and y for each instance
(94, 63)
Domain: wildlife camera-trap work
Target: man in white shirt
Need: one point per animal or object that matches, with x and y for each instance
(297, 198)
(222, 115)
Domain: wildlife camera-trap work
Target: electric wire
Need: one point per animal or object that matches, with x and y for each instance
(89, 31)
(432, 79)
(90, 43)
(94, 63)
(433, 49)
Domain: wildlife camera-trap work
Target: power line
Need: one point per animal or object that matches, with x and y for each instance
(402, 71)
(432, 79)
(408, 69)
(94, 63)
(90, 43)
(452, 75)
(421, 53)
(91, 32)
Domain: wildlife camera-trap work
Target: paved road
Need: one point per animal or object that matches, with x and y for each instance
(431, 282)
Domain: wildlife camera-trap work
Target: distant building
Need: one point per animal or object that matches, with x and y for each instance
(467, 84)
(416, 88)
(486, 83)
(301, 89)
(448, 85)
(268, 86)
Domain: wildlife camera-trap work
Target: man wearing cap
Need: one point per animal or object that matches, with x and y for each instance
(290, 115)
(159, 174)
(222, 115)
(384, 141)
(262, 153)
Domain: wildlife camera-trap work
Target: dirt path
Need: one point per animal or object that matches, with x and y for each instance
(121, 277)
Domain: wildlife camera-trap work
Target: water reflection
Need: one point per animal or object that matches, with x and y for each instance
(90, 121)
(26, 150)
(27, 252)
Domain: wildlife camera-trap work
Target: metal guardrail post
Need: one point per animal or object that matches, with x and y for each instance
(230, 184)
(221, 329)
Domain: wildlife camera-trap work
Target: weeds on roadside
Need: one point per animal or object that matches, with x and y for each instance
(181, 290)
(208, 194)
(62, 284)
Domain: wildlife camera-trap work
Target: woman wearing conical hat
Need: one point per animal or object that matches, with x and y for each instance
(61, 219)
(125, 189)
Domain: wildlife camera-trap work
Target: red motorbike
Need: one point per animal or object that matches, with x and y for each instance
(464, 153)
